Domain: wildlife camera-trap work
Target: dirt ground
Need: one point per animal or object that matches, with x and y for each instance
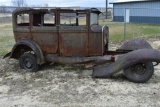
(73, 86)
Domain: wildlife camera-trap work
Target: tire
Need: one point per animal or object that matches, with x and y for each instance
(139, 73)
(28, 61)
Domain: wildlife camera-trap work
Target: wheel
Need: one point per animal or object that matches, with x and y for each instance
(139, 73)
(28, 61)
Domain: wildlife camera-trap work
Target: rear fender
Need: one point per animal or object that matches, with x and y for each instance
(27, 45)
(129, 59)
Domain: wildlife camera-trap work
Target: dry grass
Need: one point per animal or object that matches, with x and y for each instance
(6, 38)
(116, 31)
(6, 34)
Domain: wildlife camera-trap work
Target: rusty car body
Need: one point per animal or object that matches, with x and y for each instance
(74, 36)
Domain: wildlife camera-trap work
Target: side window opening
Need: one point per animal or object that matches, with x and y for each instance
(68, 19)
(43, 19)
(49, 19)
(37, 19)
(94, 18)
(23, 19)
(81, 19)
(72, 19)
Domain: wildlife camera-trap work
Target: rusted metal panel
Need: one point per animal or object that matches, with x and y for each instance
(67, 60)
(78, 60)
(95, 41)
(73, 41)
(46, 38)
(95, 44)
(22, 35)
(129, 59)
(21, 32)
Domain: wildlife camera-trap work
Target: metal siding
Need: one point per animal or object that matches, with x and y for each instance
(149, 20)
(118, 12)
(118, 19)
(150, 11)
(145, 12)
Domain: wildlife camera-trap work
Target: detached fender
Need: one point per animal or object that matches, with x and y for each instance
(135, 44)
(27, 45)
(129, 59)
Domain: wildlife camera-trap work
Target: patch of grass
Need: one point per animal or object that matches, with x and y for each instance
(116, 30)
(6, 39)
(3, 52)
(6, 34)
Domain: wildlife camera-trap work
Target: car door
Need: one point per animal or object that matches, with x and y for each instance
(44, 31)
(73, 34)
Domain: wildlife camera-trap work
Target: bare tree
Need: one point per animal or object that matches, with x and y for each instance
(19, 3)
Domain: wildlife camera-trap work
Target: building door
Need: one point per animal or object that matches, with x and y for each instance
(127, 15)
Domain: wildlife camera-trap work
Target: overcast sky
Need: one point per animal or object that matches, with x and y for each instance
(61, 3)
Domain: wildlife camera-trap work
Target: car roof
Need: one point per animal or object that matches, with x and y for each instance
(27, 10)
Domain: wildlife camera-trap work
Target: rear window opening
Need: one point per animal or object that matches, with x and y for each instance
(23, 20)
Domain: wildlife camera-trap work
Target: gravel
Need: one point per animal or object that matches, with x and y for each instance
(73, 86)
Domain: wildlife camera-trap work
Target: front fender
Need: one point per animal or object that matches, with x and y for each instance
(27, 45)
(129, 59)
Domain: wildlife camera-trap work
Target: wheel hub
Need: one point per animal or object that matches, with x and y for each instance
(28, 63)
(139, 69)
